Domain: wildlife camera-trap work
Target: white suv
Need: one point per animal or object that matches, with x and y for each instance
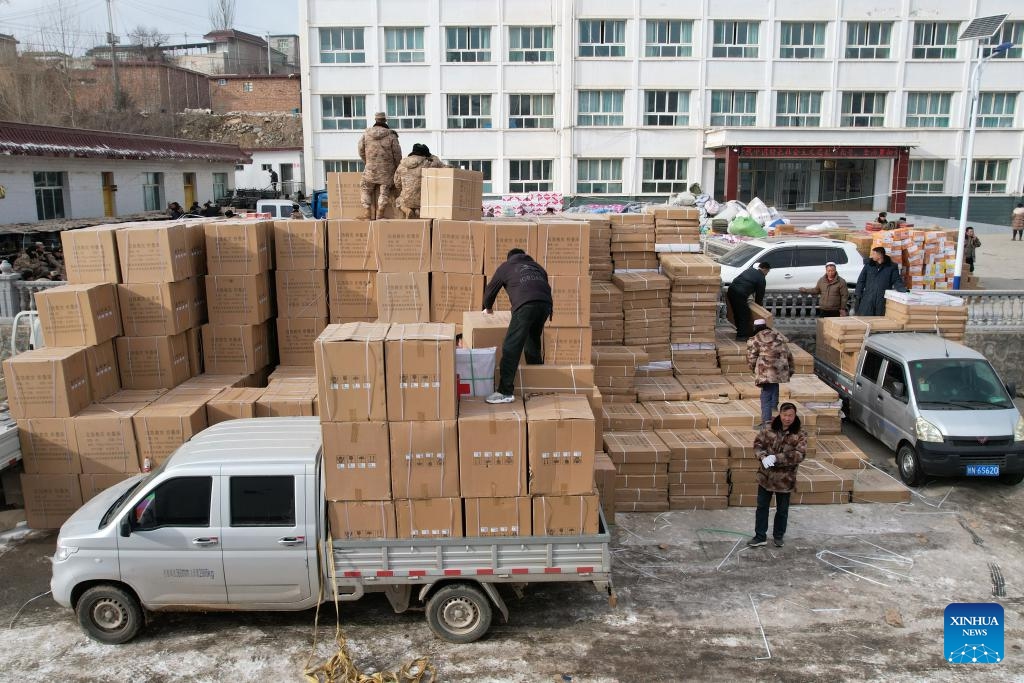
(796, 261)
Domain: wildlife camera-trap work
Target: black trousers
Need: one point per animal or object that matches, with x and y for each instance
(764, 500)
(826, 313)
(524, 334)
(740, 312)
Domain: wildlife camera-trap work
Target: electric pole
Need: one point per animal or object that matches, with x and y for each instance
(112, 40)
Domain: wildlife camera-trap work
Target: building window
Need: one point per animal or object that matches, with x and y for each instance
(481, 165)
(1009, 32)
(469, 111)
(996, 109)
(600, 108)
(602, 38)
(668, 38)
(868, 39)
(531, 44)
(664, 176)
(802, 40)
(666, 108)
(468, 43)
(926, 176)
(343, 166)
(529, 175)
(598, 176)
(934, 40)
(407, 111)
(342, 46)
(403, 45)
(928, 109)
(736, 39)
(343, 112)
(796, 109)
(531, 111)
(153, 191)
(220, 185)
(49, 194)
(863, 109)
(733, 108)
(247, 86)
(988, 176)
(222, 81)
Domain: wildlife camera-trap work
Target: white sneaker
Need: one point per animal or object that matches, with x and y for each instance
(498, 397)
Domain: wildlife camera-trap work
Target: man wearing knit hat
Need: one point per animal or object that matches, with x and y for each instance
(381, 154)
(769, 356)
(408, 178)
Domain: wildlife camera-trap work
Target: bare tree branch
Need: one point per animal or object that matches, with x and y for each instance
(222, 14)
(147, 36)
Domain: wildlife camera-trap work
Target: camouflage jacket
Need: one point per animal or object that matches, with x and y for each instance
(768, 355)
(407, 178)
(380, 151)
(789, 447)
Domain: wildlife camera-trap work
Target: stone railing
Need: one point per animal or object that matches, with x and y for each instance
(18, 295)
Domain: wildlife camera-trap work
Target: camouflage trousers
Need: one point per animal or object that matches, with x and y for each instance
(367, 190)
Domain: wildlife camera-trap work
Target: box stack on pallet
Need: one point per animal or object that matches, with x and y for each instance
(615, 371)
(926, 257)
(677, 229)
(606, 319)
(633, 241)
(642, 460)
(698, 470)
(646, 312)
(696, 288)
(300, 274)
(839, 340)
(935, 312)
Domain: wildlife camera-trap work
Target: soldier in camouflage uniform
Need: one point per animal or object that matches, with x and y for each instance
(408, 178)
(781, 448)
(380, 151)
(768, 355)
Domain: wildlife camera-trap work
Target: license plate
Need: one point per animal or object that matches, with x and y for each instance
(983, 470)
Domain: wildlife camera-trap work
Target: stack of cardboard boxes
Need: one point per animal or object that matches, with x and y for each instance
(615, 371)
(300, 275)
(563, 250)
(352, 278)
(457, 275)
(677, 229)
(402, 248)
(633, 241)
(698, 475)
(646, 312)
(696, 288)
(606, 319)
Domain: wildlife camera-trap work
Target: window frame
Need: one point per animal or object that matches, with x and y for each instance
(1000, 120)
(731, 118)
(51, 199)
(655, 117)
(814, 50)
(355, 121)
(923, 43)
(467, 53)
(650, 184)
(153, 181)
(343, 166)
(928, 119)
(600, 118)
(614, 48)
(354, 54)
(416, 54)
(400, 121)
(876, 359)
(542, 54)
(848, 119)
(776, 252)
(484, 166)
(801, 259)
(918, 183)
(725, 43)
(987, 184)
(886, 378)
(606, 180)
(867, 50)
(135, 517)
(1010, 31)
(517, 184)
(518, 120)
(793, 119)
(287, 484)
(657, 48)
(223, 184)
(478, 102)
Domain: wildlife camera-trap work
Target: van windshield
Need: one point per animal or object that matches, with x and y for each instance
(949, 383)
(739, 255)
(118, 504)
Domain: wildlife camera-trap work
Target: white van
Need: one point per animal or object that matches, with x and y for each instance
(277, 208)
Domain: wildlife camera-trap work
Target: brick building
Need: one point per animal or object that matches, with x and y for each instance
(255, 93)
(149, 86)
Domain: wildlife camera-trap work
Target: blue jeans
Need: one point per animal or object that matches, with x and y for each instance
(769, 401)
(764, 501)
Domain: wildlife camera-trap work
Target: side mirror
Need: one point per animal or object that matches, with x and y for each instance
(126, 526)
(899, 390)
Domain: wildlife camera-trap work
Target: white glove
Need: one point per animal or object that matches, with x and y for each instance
(768, 460)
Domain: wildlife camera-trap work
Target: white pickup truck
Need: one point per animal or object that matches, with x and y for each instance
(235, 520)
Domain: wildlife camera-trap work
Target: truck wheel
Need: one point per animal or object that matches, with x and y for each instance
(459, 613)
(109, 614)
(1011, 479)
(909, 465)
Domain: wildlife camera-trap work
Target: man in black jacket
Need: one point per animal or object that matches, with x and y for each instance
(879, 274)
(528, 290)
(750, 281)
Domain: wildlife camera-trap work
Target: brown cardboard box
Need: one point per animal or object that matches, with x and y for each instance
(161, 427)
(302, 293)
(48, 446)
(563, 247)
(295, 337)
(353, 295)
(560, 437)
(158, 253)
(403, 297)
(288, 399)
(236, 349)
(50, 499)
(571, 294)
(482, 330)
(150, 309)
(153, 362)
(104, 378)
(357, 462)
(604, 480)
(239, 299)
(402, 246)
(498, 516)
(429, 518)
(47, 382)
(300, 245)
(425, 459)
(78, 315)
(361, 520)
(239, 247)
(233, 404)
(286, 373)
(350, 372)
(105, 438)
(420, 361)
(93, 484)
(350, 245)
(133, 396)
(492, 449)
(343, 195)
(570, 515)
(194, 338)
(567, 345)
(502, 235)
(451, 193)
(554, 378)
(90, 254)
(635, 447)
(452, 294)
(457, 247)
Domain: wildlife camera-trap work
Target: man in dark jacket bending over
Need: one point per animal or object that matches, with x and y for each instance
(750, 281)
(528, 290)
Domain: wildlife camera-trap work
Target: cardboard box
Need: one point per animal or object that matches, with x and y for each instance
(47, 382)
(78, 315)
(48, 446)
(484, 330)
(233, 404)
(452, 294)
(105, 438)
(457, 247)
(560, 438)
(239, 299)
(50, 499)
(571, 295)
(563, 247)
(357, 462)
(295, 337)
(239, 247)
(300, 245)
(492, 449)
(425, 459)
(451, 193)
(361, 520)
(158, 253)
(90, 254)
(302, 294)
(570, 379)
(604, 480)
(350, 372)
(429, 518)
(236, 349)
(500, 236)
(104, 378)
(150, 309)
(153, 362)
(498, 516)
(343, 195)
(353, 295)
(350, 245)
(567, 345)
(162, 427)
(403, 297)
(402, 246)
(288, 399)
(194, 338)
(421, 383)
(93, 484)
(133, 396)
(570, 515)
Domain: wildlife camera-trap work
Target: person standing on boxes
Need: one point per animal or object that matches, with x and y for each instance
(408, 178)
(528, 290)
(750, 281)
(381, 154)
(832, 291)
(770, 358)
(780, 447)
(879, 274)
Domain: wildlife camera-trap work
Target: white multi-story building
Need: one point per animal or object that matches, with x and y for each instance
(836, 105)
